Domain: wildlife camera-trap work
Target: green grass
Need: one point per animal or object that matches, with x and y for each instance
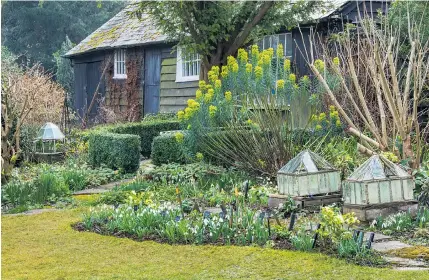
(44, 246)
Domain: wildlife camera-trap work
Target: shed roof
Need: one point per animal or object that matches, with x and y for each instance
(306, 162)
(377, 168)
(120, 31)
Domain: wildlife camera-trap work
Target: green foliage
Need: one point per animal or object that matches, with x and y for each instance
(357, 252)
(302, 241)
(224, 26)
(147, 130)
(45, 187)
(402, 221)
(166, 149)
(113, 197)
(334, 225)
(50, 23)
(17, 193)
(64, 71)
(245, 113)
(117, 151)
(421, 177)
(164, 222)
(398, 16)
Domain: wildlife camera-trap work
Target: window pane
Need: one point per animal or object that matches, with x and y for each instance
(267, 42)
(288, 47)
(274, 41)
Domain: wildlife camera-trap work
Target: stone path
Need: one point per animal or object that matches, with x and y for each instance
(33, 212)
(384, 244)
(145, 165)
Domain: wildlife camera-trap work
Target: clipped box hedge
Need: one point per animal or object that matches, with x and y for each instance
(117, 151)
(146, 130)
(166, 149)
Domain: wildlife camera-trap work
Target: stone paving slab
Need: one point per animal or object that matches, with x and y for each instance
(410, 268)
(389, 245)
(378, 237)
(91, 191)
(403, 262)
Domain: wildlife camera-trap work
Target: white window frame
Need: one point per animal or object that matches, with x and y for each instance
(278, 36)
(179, 67)
(120, 66)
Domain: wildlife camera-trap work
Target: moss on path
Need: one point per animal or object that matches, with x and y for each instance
(44, 246)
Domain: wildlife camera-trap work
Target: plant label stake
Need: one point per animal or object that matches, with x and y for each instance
(246, 190)
(292, 221)
(180, 202)
(315, 236)
(360, 239)
(356, 233)
(232, 213)
(268, 220)
(206, 215)
(370, 240)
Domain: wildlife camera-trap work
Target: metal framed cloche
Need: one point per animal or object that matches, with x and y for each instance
(377, 181)
(308, 174)
(48, 137)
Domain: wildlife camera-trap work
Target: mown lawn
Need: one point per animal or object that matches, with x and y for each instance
(44, 246)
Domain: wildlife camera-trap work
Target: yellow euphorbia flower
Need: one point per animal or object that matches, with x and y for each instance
(218, 84)
(224, 73)
(292, 78)
(212, 110)
(331, 108)
(231, 61)
(209, 95)
(198, 94)
(215, 70)
(305, 79)
(318, 127)
(179, 137)
(280, 50)
(180, 115)
(235, 67)
(336, 61)
(242, 55)
(199, 156)
(338, 123)
(228, 96)
(255, 50)
(249, 68)
(258, 72)
(266, 58)
(202, 85)
(280, 84)
(320, 65)
(322, 117)
(286, 65)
